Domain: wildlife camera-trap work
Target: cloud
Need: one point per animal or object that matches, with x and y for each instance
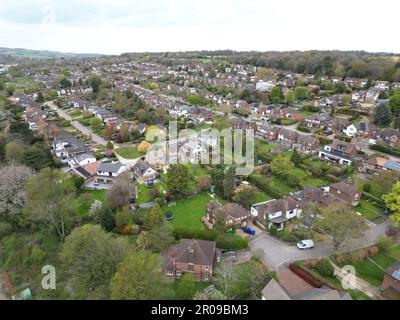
(155, 25)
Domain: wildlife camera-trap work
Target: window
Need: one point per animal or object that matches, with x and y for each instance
(170, 272)
(206, 267)
(178, 273)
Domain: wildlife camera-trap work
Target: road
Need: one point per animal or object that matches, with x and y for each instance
(85, 130)
(277, 254)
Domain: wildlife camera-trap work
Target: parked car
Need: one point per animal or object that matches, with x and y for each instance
(305, 244)
(249, 230)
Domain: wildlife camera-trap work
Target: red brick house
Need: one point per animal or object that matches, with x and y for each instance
(346, 192)
(391, 278)
(234, 214)
(194, 256)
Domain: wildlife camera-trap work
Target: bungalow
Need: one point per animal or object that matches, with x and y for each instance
(192, 256)
(340, 151)
(276, 212)
(233, 214)
(143, 173)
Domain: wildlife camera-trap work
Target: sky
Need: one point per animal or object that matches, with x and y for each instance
(117, 26)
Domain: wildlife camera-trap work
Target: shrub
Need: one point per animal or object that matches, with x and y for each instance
(126, 229)
(180, 233)
(384, 149)
(38, 255)
(5, 229)
(325, 268)
(385, 243)
(303, 128)
(231, 242)
(367, 187)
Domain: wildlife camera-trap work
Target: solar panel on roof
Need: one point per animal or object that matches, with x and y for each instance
(393, 165)
(396, 274)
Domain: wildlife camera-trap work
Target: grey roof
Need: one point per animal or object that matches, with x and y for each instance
(323, 293)
(110, 167)
(82, 156)
(274, 291)
(392, 165)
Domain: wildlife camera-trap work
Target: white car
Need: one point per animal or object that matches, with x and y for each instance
(305, 244)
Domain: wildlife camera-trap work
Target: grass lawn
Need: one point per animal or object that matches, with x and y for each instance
(174, 289)
(280, 186)
(395, 252)
(368, 210)
(202, 126)
(143, 193)
(129, 152)
(75, 113)
(188, 212)
(261, 197)
(265, 148)
(82, 205)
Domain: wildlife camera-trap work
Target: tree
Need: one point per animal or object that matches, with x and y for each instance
(383, 115)
(185, 288)
(281, 165)
(91, 256)
(65, 83)
(10, 90)
(14, 150)
(245, 197)
(229, 183)
(160, 237)
(95, 83)
(301, 93)
(382, 182)
(104, 216)
(195, 99)
(392, 201)
(221, 123)
(203, 183)
(141, 115)
(341, 224)
(96, 124)
(394, 102)
(289, 96)
(178, 179)
(40, 97)
(143, 147)
(49, 199)
(13, 178)
(38, 157)
(217, 178)
(153, 218)
(224, 276)
(276, 95)
(121, 192)
(296, 158)
(78, 181)
(138, 277)
(122, 217)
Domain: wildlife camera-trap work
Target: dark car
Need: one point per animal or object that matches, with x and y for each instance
(249, 230)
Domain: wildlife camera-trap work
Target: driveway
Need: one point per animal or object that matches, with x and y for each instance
(85, 130)
(278, 254)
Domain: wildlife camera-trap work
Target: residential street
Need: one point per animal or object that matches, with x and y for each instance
(85, 130)
(277, 254)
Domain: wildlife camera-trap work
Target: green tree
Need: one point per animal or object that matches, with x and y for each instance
(245, 197)
(122, 217)
(96, 124)
(65, 83)
(276, 95)
(341, 224)
(394, 102)
(289, 96)
(138, 277)
(95, 83)
(105, 217)
(185, 288)
(301, 93)
(49, 199)
(296, 158)
(383, 115)
(392, 200)
(280, 166)
(40, 97)
(153, 218)
(10, 90)
(195, 99)
(90, 257)
(178, 179)
(229, 183)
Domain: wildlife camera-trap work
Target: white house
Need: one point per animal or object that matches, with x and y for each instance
(107, 172)
(350, 131)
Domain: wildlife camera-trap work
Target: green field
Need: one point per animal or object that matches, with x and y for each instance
(368, 210)
(82, 205)
(129, 152)
(188, 212)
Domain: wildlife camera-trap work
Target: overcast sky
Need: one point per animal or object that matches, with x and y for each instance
(117, 26)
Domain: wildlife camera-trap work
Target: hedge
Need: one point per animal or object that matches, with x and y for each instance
(384, 149)
(231, 242)
(180, 233)
(264, 186)
(379, 202)
(305, 275)
(303, 128)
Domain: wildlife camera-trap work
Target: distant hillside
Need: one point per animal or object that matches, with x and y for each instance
(42, 54)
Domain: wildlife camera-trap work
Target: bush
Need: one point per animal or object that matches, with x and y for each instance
(367, 187)
(385, 243)
(180, 233)
(384, 149)
(37, 255)
(5, 229)
(379, 202)
(303, 128)
(231, 242)
(325, 268)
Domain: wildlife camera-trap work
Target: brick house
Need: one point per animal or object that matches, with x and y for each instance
(391, 278)
(339, 151)
(234, 214)
(194, 256)
(346, 191)
(306, 144)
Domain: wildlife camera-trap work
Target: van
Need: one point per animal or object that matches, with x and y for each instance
(305, 244)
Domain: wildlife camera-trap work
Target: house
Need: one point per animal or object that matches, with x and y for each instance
(143, 173)
(86, 171)
(80, 159)
(339, 151)
(292, 287)
(391, 279)
(350, 131)
(365, 129)
(287, 137)
(390, 137)
(193, 256)
(233, 213)
(107, 172)
(306, 144)
(346, 191)
(382, 85)
(276, 212)
(317, 196)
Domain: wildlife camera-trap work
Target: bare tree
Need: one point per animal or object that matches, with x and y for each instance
(225, 276)
(118, 196)
(13, 178)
